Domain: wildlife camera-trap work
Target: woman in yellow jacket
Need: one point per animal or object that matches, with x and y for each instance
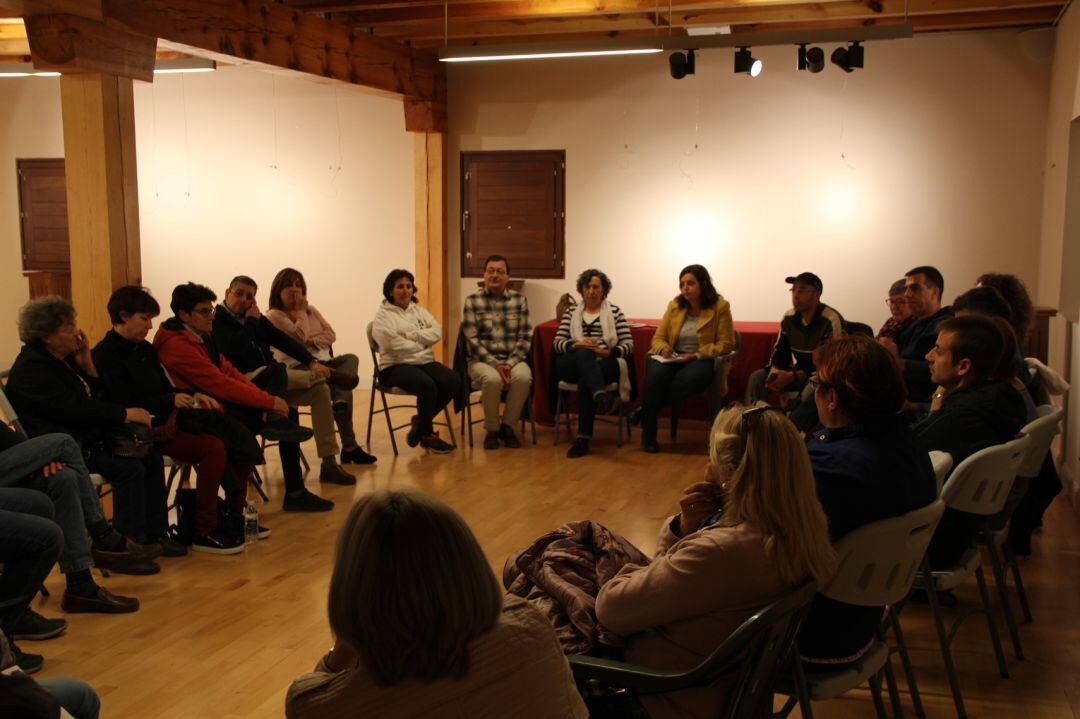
(696, 329)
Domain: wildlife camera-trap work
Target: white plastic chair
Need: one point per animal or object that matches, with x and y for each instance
(942, 462)
(878, 563)
(979, 485)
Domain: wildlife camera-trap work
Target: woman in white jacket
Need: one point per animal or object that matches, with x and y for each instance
(405, 333)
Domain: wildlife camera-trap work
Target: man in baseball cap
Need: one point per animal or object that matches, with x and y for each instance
(806, 326)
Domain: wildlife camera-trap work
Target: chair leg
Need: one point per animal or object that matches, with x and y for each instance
(257, 482)
(875, 692)
(370, 415)
(890, 676)
(674, 421)
(389, 423)
(905, 662)
(304, 461)
(449, 425)
(1014, 564)
(619, 422)
(558, 415)
(802, 689)
(990, 625)
(1001, 582)
(943, 640)
(468, 414)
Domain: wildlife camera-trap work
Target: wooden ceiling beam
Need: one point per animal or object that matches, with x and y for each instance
(69, 43)
(763, 12)
(843, 14)
(268, 33)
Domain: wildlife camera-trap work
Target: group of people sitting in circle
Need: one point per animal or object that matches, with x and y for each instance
(419, 618)
(441, 636)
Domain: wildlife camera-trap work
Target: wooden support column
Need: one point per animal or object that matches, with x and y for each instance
(102, 192)
(429, 165)
(98, 105)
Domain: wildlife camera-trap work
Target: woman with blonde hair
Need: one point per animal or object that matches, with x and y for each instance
(422, 628)
(749, 533)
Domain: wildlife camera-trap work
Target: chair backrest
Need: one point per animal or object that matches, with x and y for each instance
(738, 341)
(1042, 431)
(879, 560)
(9, 414)
(981, 483)
(374, 347)
(942, 462)
(858, 328)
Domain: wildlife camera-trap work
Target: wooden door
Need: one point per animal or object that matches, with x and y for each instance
(513, 205)
(43, 214)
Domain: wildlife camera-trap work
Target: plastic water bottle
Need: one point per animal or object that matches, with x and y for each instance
(251, 524)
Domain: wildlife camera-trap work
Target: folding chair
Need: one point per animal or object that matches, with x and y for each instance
(979, 485)
(467, 420)
(752, 656)
(562, 402)
(877, 566)
(717, 391)
(377, 386)
(942, 462)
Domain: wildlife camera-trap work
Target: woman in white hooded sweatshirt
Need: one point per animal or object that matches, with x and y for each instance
(405, 333)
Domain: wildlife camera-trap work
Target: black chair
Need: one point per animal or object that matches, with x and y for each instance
(858, 328)
(717, 391)
(461, 363)
(753, 656)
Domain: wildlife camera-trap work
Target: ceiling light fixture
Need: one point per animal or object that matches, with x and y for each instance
(849, 58)
(24, 69)
(747, 63)
(682, 64)
(542, 55)
(812, 59)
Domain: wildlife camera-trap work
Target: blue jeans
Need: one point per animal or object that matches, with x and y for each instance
(30, 543)
(591, 374)
(671, 383)
(74, 499)
(76, 696)
(139, 497)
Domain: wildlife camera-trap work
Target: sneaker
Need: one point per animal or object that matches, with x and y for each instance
(579, 448)
(305, 501)
(413, 437)
(283, 429)
(506, 434)
(263, 532)
(334, 474)
(171, 546)
(432, 443)
(28, 663)
(33, 626)
(357, 455)
(491, 440)
(651, 446)
(219, 542)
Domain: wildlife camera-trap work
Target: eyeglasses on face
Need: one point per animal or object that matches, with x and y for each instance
(895, 302)
(495, 271)
(204, 311)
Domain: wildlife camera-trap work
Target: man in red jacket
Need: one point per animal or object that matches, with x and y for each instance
(186, 347)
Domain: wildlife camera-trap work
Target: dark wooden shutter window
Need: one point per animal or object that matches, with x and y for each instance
(513, 205)
(43, 214)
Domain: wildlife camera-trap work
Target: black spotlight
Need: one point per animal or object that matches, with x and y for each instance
(812, 59)
(682, 64)
(745, 62)
(849, 58)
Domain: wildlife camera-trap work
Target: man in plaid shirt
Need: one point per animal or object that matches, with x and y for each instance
(496, 326)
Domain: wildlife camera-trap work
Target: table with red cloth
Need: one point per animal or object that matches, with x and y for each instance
(758, 339)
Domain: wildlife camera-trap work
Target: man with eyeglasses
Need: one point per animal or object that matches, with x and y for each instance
(246, 337)
(805, 327)
(495, 323)
(186, 346)
(899, 312)
(923, 289)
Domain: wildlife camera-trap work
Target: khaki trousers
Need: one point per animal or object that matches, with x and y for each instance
(491, 387)
(309, 389)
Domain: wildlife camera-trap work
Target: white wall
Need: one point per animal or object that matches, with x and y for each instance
(243, 172)
(1058, 251)
(29, 127)
(932, 154)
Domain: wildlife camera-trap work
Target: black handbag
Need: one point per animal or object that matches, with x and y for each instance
(130, 439)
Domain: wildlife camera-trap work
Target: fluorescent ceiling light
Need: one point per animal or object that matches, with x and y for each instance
(700, 30)
(175, 66)
(24, 69)
(539, 55)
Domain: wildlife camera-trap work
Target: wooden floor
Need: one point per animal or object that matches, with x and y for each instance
(223, 636)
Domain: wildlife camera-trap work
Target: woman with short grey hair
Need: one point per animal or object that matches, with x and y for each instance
(42, 317)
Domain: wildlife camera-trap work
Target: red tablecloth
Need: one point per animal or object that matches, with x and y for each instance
(758, 339)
